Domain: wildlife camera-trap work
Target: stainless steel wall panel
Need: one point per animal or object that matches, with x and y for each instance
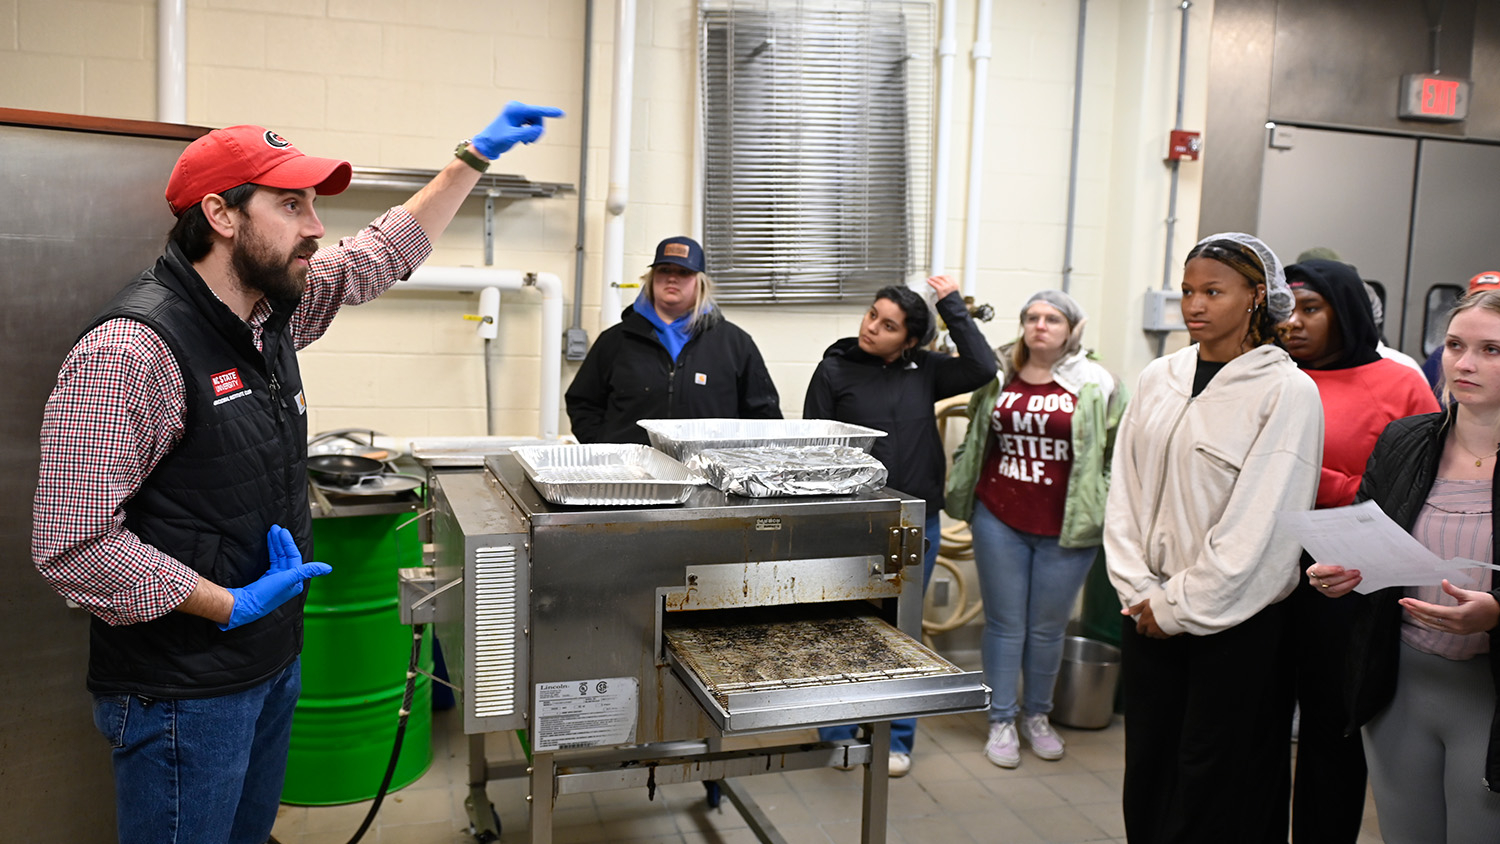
(1339, 62)
(1330, 64)
(83, 214)
(1350, 192)
(1453, 231)
(1239, 98)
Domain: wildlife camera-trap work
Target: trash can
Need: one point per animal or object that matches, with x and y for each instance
(1085, 693)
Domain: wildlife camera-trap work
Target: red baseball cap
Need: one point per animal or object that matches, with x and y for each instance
(226, 158)
(1484, 281)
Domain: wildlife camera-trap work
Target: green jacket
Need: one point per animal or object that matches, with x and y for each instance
(1099, 401)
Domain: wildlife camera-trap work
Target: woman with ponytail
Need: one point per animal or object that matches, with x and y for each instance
(1218, 438)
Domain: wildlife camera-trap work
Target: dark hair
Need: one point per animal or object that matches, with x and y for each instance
(1243, 260)
(919, 324)
(193, 234)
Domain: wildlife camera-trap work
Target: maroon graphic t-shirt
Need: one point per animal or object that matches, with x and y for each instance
(1025, 477)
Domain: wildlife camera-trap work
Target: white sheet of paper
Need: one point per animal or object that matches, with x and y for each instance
(1361, 536)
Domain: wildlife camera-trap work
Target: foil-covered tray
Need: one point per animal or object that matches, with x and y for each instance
(682, 438)
(770, 471)
(605, 474)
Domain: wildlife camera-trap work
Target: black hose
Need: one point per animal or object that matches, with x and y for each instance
(390, 769)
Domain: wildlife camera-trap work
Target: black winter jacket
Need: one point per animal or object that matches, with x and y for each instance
(240, 467)
(853, 386)
(1398, 478)
(628, 376)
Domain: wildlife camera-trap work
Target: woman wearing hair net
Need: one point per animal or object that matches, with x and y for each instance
(1030, 479)
(1218, 438)
(885, 379)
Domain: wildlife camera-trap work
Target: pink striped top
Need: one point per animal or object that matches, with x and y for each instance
(1454, 522)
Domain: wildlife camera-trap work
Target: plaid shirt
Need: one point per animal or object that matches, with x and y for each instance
(119, 407)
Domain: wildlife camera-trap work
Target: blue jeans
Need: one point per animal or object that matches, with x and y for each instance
(1028, 584)
(903, 730)
(200, 770)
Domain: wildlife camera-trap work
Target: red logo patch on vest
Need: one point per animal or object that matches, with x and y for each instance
(227, 381)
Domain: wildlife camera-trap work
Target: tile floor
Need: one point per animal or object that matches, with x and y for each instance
(953, 795)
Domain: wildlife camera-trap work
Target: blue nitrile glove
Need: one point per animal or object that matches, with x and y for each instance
(518, 123)
(278, 585)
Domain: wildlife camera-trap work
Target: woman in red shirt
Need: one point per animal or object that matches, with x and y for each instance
(1331, 335)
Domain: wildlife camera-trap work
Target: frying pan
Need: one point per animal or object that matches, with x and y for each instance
(342, 469)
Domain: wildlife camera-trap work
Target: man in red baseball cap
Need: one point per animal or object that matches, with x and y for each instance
(1487, 280)
(172, 502)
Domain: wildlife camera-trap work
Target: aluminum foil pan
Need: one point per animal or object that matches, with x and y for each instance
(769, 471)
(603, 475)
(682, 438)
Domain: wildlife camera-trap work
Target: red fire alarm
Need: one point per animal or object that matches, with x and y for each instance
(1184, 146)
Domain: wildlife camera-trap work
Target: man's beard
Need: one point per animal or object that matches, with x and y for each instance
(258, 269)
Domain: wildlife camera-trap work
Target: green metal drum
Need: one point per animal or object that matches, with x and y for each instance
(354, 657)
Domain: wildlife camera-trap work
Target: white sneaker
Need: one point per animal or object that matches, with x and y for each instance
(1003, 747)
(1045, 743)
(900, 764)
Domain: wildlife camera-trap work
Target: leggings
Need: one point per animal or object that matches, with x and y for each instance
(1426, 753)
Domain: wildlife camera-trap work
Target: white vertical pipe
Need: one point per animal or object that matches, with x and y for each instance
(982, 51)
(171, 61)
(619, 164)
(1077, 134)
(947, 49)
(549, 405)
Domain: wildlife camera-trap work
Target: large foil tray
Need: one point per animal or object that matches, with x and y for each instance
(605, 474)
(757, 673)
(683, 438)
(775, 470)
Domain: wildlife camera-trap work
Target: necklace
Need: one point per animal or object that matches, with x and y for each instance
(1478, 461)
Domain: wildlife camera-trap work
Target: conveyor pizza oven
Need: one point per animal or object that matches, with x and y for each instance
(595, 626)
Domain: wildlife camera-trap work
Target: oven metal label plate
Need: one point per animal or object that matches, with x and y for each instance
(586, 713)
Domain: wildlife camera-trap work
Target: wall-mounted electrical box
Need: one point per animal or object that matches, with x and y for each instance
(1163, 311)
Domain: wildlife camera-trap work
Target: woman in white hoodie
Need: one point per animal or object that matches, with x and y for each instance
(1219, 437)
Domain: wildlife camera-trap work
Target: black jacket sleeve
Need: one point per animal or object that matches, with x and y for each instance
(975, 364)
(758, 397)
(819, 401)
(588, 395)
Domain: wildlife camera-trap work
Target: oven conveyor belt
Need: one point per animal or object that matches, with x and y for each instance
(731, 658)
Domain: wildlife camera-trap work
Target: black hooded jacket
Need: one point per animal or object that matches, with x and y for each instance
(851, 385)
(1340, 285)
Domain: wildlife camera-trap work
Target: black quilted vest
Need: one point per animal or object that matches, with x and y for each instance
(240, 468)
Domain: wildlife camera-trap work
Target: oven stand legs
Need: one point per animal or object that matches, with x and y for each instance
(663, 763)
(872, 816)
(484, 821)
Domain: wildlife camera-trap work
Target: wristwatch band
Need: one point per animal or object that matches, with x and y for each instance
(461, 152)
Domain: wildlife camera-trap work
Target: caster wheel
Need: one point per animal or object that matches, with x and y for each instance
(487, 836)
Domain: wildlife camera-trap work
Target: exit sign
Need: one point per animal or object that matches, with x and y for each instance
(1438, 98)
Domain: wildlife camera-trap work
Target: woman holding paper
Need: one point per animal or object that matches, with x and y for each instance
(1331, 334)
(1422, 672)
(1219, 437)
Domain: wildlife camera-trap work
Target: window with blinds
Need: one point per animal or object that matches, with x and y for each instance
(817, 146)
